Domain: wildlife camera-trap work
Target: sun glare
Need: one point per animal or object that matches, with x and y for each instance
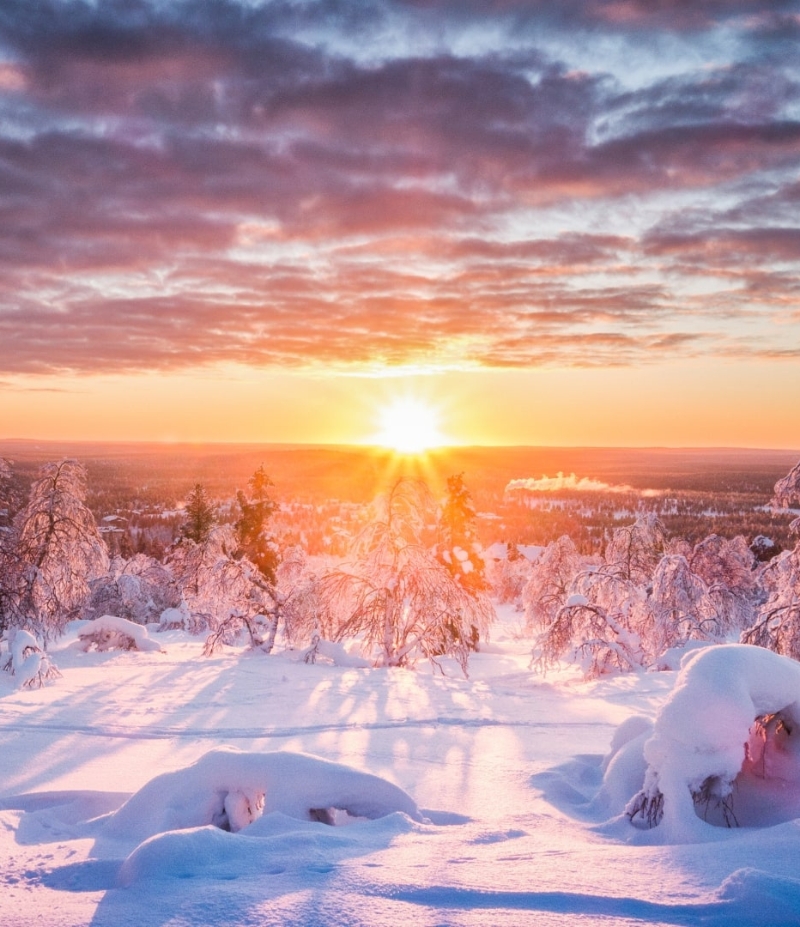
(409, 426)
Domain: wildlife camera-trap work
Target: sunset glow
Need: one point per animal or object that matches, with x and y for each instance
(409, 426)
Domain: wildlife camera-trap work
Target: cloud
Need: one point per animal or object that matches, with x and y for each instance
(303, 184)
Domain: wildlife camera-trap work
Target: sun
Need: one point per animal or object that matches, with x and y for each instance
(409, 426)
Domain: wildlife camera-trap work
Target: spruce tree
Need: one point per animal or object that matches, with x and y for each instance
(199, 516)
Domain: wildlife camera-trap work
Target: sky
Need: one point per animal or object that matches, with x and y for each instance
(569, 223)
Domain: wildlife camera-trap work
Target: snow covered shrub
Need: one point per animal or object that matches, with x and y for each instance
(777, 621)
(139, 589)
(109, 632)
(56, 551)
(395, 596)
(550, 579)
(28, 661)
(734, 714)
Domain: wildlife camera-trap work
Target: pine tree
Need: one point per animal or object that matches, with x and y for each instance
(199, 516)
(459, 549)
(255, 541)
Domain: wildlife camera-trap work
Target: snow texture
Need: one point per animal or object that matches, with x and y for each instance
(131, 792)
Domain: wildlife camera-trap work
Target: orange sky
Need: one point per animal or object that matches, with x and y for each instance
(692, 404)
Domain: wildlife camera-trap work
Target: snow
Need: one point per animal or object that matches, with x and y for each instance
(109, 632)
(158, 789)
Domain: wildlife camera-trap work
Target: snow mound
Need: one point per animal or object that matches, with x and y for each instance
(734, 709)
(230, 789)
(110, 632)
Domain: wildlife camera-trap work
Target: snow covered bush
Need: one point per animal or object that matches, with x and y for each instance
(109, 632)
(27, 661)
(734, 714)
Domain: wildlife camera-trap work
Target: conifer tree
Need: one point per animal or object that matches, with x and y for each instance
(199, 515)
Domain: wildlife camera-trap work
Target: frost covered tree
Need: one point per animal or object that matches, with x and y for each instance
(550, 579)
(680, 607)
(56, 551)
(395, 595)
(507, 573)
(214, 584)
(634, 550)
(139, 589)
(5, 536)
(199, 515)
(787, 490)
(252, 530)
(777, 621)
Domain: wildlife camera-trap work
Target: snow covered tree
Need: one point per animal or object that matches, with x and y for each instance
(720, 562)
(199, 515)
(458, 546)
(56, 551)
(680, 607)
(634, 550)
(5, 537)
(550, 579)
(395, 595)
(252, 531)
(214, 583)
(787, 490)
(507, 572)
(139, 589)
(777, 622)
(597, 626)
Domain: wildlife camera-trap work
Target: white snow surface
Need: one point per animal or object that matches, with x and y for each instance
(171, 789)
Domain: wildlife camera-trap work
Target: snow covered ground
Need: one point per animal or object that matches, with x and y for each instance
(484, 803)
